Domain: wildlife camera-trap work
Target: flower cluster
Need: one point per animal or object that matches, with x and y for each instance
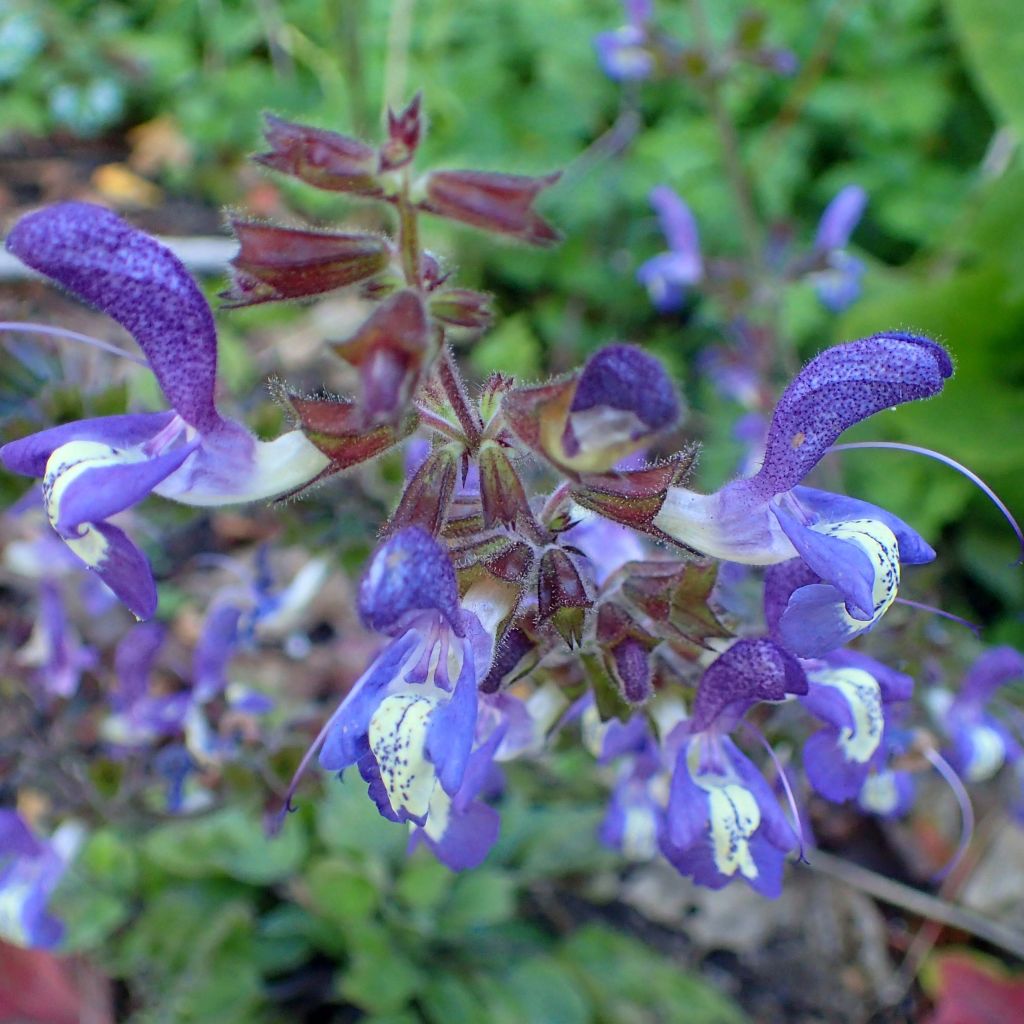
(540, 565)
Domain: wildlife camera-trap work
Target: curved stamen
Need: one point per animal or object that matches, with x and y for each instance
(272, 822)
(959, 467)
(972, 626)
(945, 769)
(784, 780)
(63, 332)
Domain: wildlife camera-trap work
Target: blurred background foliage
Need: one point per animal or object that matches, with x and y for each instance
(921, 102)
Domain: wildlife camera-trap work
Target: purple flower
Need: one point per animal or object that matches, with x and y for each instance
(980, 743)
(410, 723)
(723, 820)
(667, 275)
(850, 693)
(623, 53)
(838, 283)
(93, 469)
(30, 869)
(888, 792)
(853, 549)
(55, 647)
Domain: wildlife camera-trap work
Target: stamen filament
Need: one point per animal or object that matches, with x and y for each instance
(784, 780)
(945, 769)
(972, 626)
(959, 467)
(63, 332)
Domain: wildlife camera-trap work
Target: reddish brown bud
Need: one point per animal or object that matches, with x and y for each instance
(461, 307)
(277, 263)
(405, 129)
(675, 596)
(516, 655)
(502, 203)
(326, 160)
(561, 596)
(334, 426)
(425, 499)
(501, 490)
(634, 497)
(390, 351)
(627, 647)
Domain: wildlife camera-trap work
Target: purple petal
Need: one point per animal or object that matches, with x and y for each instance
(29, 455)
(687, 814)
(816, 622)
(887, 793)
(346, 740)
(837, 561)
(829, 772)
(837, 389)
(679, 227)
(410, 573)
(16, 838)
(214, 650)
(138, 282)
(124, 568)
(780, 581)
(751, 670)
(667, 277)
(993, 670)
(133, 663)
(895, 686)
(622, 54)
(466, 840)
(841, 216)
(452, 727)
(106, 488)
(839, 285)
(834, 508)
(625, 378)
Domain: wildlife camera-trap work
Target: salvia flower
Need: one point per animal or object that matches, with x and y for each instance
(619, 403)
(623, 53)
(409, 724)
(838, 282)
(723, 820)
(30, 869)
(980, 741)
(850, 694)
(669, 275)
(93, 469)
(853, 548)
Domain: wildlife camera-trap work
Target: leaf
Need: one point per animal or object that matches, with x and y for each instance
(339, 892)
(543, 990)
(991, 34)
(481, 897)
(628, 982)
(969, 988)
(228, 842)
(381, 978)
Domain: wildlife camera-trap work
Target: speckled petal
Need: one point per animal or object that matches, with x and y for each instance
(133, 278)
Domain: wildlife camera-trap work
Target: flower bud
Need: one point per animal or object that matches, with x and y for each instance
(424, 502)
(334, 425)
(626, 647)
(462, 307)
(501, 203)
(276, 263)
(561, 596)
(634, 497)
(501, 490)
(405, 129)
(326, 160)
(390, 351)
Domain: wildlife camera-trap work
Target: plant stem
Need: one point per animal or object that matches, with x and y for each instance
(455, 390)
(729, 140)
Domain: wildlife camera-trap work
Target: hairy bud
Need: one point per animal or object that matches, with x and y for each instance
(561, 596)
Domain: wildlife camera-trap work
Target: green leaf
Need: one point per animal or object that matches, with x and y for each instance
(450, 1000)
(991, 34)
(543, 990)
(381, 978)
(340, 892)
(228, 842)
(630, 983)
(481, 897)
(424, 882)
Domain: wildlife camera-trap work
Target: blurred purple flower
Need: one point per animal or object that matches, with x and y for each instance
(838, 282)
(623, 53)
(668, 275)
